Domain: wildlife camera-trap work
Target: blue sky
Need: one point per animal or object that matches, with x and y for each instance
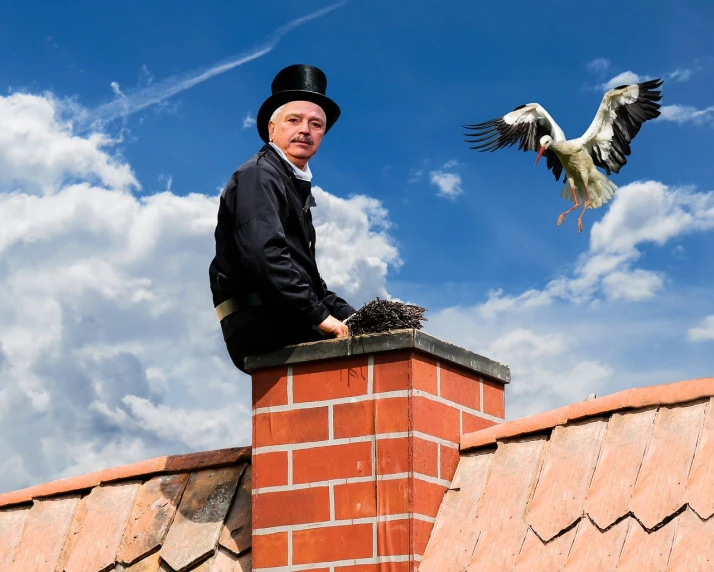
(625, 303)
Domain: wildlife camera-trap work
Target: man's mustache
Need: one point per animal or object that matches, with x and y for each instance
(307, 140)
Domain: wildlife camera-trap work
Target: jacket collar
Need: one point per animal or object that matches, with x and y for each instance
(305, 175)
(289, 170)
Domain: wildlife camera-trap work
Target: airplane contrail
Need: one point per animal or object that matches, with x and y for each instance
(128, 103)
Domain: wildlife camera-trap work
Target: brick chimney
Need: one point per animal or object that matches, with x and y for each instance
(355, 442)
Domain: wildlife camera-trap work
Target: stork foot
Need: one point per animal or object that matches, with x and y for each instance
(561, 218)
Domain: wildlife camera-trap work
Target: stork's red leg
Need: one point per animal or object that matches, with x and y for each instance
(561, 218)
(587, 204)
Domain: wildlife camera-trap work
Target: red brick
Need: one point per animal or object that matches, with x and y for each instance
(353, 419)
(425, 457)
(393, 496)
(393, 538)
(424, 373)
(427, 497)
(436, 419)
(332, 543)
(332, 379)
(270, 387)
(459, 386)
(355, 500)
(383, 567)
(332, 462)
(422, 532)
(449, 461)
(391, 372)
(494, 398)
(270, 550)
(270, 469)
(392, 456)
(471, 423)
(362, 500)
(392, 415)
(362, 418)
(296, 426)
(291, 507)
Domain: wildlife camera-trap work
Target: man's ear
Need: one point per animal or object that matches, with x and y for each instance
(271, 130)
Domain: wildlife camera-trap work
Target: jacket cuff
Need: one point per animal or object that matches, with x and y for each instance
(319, 314)
(345, 312)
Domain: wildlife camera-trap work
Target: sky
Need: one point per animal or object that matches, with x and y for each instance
(120, 123)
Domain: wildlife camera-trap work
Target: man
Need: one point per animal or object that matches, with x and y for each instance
(267, 290)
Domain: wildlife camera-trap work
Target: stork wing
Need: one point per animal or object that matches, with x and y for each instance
(524, 125)
(622, 112)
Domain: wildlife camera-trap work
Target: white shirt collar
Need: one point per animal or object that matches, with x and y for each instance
(305, 175)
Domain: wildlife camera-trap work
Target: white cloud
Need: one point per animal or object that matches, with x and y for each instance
(354, 248)
(50, 154)
(704, 331)
(110, 351)
(681, 74)
(248, 121)
(116, 89)
(448, 183)
(599, 66)
(686, 113)
(624, 78)
(641, 213)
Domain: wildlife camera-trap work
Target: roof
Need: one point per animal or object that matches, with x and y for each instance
(625, 482)
(170, 514)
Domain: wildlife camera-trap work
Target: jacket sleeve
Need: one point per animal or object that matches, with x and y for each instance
(260, 237)
(336, 305)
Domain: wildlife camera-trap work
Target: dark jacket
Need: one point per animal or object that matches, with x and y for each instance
(265, 245)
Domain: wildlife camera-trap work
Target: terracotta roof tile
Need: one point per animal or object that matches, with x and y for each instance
(647, 550)
(537, 556)
(511, 479)
(237, 532)
(151, 517)
(80, 514)
(693, 548)
(620, 460)
(564, 481)
(700, 488)
(623, 482)
(44, 535)
(201, 514)
(108, 510)
(659, 490)
(151, 563)
(596, 551)
(122, 519)
(11, 523)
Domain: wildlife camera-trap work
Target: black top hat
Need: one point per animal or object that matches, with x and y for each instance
(297, 83)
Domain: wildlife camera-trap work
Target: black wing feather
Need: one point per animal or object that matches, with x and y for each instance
(496, 134)
(628, 121)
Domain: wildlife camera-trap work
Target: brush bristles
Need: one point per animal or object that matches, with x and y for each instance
(379, 316)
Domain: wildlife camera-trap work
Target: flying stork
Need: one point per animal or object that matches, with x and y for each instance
(605, 144)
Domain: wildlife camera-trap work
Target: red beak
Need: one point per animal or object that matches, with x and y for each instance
(540, 154)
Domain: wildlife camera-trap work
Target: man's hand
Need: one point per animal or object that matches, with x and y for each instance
(332, 325)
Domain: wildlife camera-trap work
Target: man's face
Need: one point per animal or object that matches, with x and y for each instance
(298, 130)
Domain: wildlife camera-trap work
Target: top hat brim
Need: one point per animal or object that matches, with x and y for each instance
(331, 109)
